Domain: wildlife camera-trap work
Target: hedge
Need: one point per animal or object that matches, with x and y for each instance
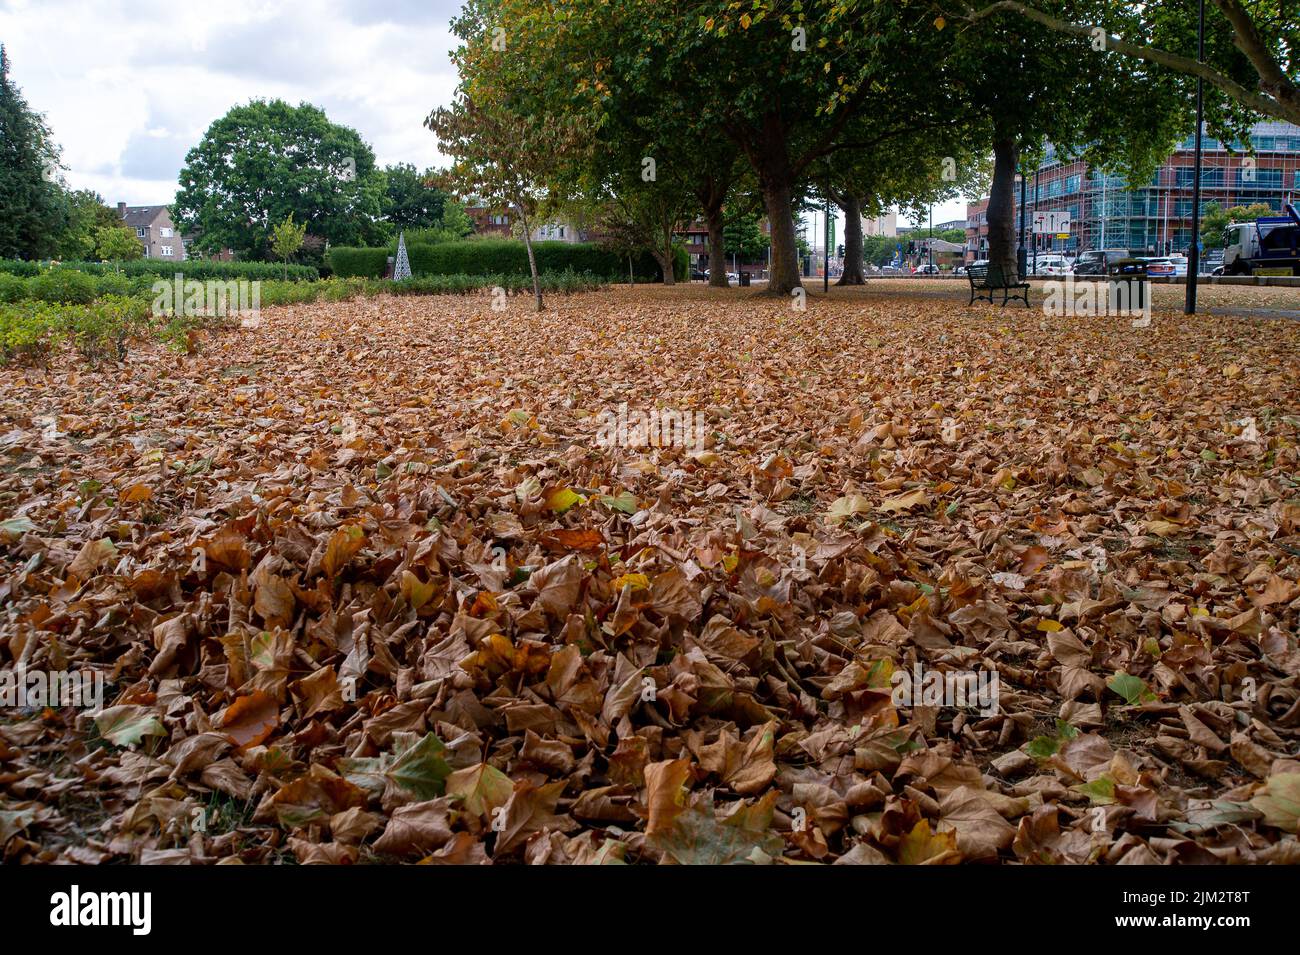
(348, 262)
(502, 257)
(201, 269)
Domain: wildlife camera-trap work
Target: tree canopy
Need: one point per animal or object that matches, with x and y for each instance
(267, 159)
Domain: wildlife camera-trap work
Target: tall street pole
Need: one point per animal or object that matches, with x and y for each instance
(1020, 256)
(826, 270)
(1194, 253)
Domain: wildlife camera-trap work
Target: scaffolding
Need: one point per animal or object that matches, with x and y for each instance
(1157, 218)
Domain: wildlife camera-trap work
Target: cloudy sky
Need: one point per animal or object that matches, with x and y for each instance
(130, 86)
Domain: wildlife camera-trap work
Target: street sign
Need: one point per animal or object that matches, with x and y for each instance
(1051, 223)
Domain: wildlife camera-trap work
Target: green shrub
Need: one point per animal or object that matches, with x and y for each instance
(13, 288)
(202, 269)
(113, 283)
(64, 286)
(352, 262)
(28, 332)
(500, 257)
(101, 329)
(564, 282)
(288, 293)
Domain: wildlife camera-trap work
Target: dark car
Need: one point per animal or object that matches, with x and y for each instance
(1098, 261)
(699, 275)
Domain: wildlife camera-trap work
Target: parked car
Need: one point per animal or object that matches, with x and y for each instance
(1180, 264)
(1049, 264)
(890, 270)
(699, 275)
(927, 269)
(1161, 266)
(1098, 261)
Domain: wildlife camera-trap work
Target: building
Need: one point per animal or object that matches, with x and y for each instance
(487, 222)
(948, 226)
(694, 237)
(154, 228)
(886, 225)
(1157, 217)
(977, 230)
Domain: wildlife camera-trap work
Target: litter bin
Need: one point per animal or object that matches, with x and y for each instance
(1128, 283)
(744, 278)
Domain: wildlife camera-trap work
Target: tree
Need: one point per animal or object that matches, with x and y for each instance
(411, 198)
(115, 243)
(32, 213)
(287, 239)
(1251, 43)
(265, 160)
(914, 172)
(503, 158)
(1030, 86)
(744, 236)
(1215, 220)
(613, 67)
(85, 213)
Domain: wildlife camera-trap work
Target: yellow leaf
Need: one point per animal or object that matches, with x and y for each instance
(905, 502)
(845, 507)
(639, 581)
(561, 499)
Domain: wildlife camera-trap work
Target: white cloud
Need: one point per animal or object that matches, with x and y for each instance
(129, 86)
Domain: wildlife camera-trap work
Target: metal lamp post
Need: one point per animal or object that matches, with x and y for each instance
(1020, 252)
(1194, 253)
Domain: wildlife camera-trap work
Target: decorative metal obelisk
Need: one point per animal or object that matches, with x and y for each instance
(402, 267)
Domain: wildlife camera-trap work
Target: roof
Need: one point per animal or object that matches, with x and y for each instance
(141, 215)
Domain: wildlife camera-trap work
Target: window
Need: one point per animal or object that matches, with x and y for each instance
(139, 232)
(165, 233)
(167, 251)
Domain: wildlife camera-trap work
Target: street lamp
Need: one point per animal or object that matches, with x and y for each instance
(1020, 252)
(1194, 253)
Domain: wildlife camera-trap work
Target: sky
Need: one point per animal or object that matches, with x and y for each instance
(129, 86)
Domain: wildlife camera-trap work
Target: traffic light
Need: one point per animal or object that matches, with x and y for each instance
(839, 251)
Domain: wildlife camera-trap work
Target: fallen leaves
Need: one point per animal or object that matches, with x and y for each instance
(417, 612)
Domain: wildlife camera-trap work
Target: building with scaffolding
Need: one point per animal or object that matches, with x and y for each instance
(1155, 218)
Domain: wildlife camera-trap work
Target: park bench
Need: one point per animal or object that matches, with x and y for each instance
(989, 279)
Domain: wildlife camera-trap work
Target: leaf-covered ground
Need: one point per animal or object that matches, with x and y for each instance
(365, 586)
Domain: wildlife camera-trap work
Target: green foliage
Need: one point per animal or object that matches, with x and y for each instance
(500, 257)
(12, 288)
(264, 160)
(32, 211)
(1215, 219)
(350, 262)
(64, 286)
(744, 237)
(286, 240)
(411, 200)
(153, 268)
(116, 243)
(86, 213)
(28, 332)
(101, 330)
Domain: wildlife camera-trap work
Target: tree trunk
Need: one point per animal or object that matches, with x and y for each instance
(717, 247)
(1002, 207)
(666, 262)
(532, 261)
(768, 153)
(784, 276)
(854, 272)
